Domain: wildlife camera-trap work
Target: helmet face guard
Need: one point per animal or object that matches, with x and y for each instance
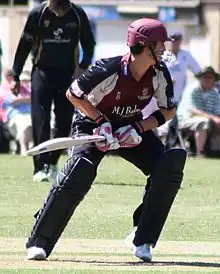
(151, 48)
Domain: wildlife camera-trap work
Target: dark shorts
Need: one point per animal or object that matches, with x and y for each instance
(144, 156)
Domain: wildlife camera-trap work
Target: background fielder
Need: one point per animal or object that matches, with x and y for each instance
(110, 97)
(52, 32)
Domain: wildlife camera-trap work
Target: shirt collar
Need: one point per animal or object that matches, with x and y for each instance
(125, 60)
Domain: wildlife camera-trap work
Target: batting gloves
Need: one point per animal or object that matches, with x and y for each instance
(105, 129)
(128, 136)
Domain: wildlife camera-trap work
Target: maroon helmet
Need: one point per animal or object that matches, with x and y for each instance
(146, 30)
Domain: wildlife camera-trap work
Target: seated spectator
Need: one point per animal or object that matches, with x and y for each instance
(25, 79)
(16, 110)
(4, 142)
(199, 108)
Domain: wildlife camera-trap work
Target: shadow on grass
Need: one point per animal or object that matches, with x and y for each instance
(155, 263)
(119, 184)
(193, 264)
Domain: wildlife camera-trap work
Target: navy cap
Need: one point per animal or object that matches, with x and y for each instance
(176, 36)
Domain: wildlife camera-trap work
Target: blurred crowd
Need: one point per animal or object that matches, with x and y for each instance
(15, 115)
(196, 127)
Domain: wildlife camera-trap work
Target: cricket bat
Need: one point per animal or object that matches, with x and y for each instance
(63, 143)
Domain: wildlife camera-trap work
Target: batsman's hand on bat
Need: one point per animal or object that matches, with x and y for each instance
(128, 136)
(105, 129)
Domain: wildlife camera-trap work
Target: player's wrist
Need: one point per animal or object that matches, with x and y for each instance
(101, 120)
(16, 79)
(161, 120)
(138, 127)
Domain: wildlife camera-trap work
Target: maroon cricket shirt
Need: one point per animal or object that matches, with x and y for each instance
(110, 87)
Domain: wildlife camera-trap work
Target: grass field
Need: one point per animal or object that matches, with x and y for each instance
(93, 240)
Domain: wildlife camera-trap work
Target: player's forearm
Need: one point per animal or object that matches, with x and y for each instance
(23, 49)
(168, 113)
(87, 40)
(152, 122)
(84, 106)
(88, 52)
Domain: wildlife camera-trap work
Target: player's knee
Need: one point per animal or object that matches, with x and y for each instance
(77, 175)
(169, 173)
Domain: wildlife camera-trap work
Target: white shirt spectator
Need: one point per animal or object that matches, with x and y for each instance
(178, 66)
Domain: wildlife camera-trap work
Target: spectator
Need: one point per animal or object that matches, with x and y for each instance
(16, 111)
(178, 62)
(0, 62)
(25, 79)
(200, 108)
(52, 33)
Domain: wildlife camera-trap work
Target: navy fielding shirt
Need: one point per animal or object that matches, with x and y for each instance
(53, 40)
(120, 97)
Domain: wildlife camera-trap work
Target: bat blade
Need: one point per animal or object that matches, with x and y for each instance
(63, 143)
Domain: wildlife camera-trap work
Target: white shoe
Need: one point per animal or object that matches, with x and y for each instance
(40, 176)
(52, 174)
(36, 253)
(142, 252)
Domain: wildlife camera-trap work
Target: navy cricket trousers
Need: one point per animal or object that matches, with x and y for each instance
(76, 179)
(145, 156)
(49, 85)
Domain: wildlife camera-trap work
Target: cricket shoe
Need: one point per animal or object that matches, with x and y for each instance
(52, 174)
(36, 253)
(142, 252)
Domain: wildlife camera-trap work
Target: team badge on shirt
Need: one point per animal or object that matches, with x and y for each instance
(145, 94)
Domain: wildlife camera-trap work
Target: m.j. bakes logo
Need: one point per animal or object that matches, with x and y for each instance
(126, 111)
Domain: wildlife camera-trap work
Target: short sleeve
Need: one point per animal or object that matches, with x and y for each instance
(164, 88)
(96, 78)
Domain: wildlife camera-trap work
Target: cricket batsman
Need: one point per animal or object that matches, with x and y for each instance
(109, 98)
